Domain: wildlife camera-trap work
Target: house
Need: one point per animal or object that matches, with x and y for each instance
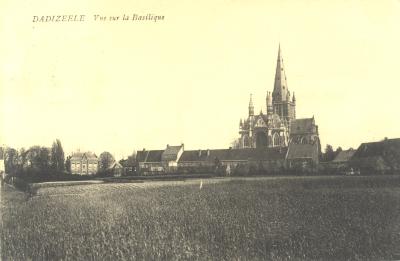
(84, 163)
(129, 166)
(159, 161)
(116, 169)
(343, 158)
(377, 157)
(149, 161)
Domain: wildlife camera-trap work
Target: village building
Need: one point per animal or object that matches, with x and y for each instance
(159, 161)
(116, 169)
(233, 160)
(129, 166)
(84, 163)
(342, 159)
(377, 157)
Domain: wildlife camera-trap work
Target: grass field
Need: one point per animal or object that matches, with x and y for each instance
(304, 218)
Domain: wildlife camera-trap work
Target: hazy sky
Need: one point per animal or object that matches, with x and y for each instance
(122, 86)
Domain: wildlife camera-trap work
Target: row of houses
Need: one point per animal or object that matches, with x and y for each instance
(175, 159)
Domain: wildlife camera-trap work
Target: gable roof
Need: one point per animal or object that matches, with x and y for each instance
(79, 155)
(344, 156)
(149, 156)
(172, 150)
(376, 149)
(302, 126)
(116, 164)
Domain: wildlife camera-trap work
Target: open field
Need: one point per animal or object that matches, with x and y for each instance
(336, 218)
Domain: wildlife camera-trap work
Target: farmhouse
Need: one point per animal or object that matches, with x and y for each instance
(377, 157)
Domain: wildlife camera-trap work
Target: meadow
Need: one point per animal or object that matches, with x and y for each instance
(303, 218)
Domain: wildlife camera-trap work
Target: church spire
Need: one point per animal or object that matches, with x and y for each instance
(280, 86)
(251, 106)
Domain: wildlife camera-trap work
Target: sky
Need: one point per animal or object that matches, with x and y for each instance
(121, 86)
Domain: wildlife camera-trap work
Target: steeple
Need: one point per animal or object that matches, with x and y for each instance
(280, 86)
(251, 106)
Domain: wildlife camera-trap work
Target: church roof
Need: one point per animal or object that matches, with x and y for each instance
(302, 126)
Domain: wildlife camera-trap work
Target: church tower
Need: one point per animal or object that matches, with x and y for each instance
(283, 103)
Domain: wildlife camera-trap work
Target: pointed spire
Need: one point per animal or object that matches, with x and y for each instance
(251, 106)
(280, 84)
(294, 98)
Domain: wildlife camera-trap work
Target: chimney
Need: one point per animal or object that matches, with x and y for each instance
(144, 149)
(167, 145)
(199, 153)
(208, 153)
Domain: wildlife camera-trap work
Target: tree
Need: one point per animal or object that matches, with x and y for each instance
(68, 164)
(105, 160)
(11, 160)
(329, 153)
(338, 150)
(37, 160)
(57, 156)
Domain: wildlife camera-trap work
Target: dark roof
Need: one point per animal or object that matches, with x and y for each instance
(172, 150)
(149, 155)
(301, 126)
(233, 154)
(302, 151)
(344, 156)
(380, 148)
(80, 155)
(141, 155)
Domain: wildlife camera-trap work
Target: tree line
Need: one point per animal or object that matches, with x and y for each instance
(37, 160)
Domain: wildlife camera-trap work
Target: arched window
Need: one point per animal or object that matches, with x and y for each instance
(245, 141)
(276, 139)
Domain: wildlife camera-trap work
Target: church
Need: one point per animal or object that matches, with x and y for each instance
(269, 142)
(278, 127)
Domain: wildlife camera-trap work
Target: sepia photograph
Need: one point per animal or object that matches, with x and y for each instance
(199, 130)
